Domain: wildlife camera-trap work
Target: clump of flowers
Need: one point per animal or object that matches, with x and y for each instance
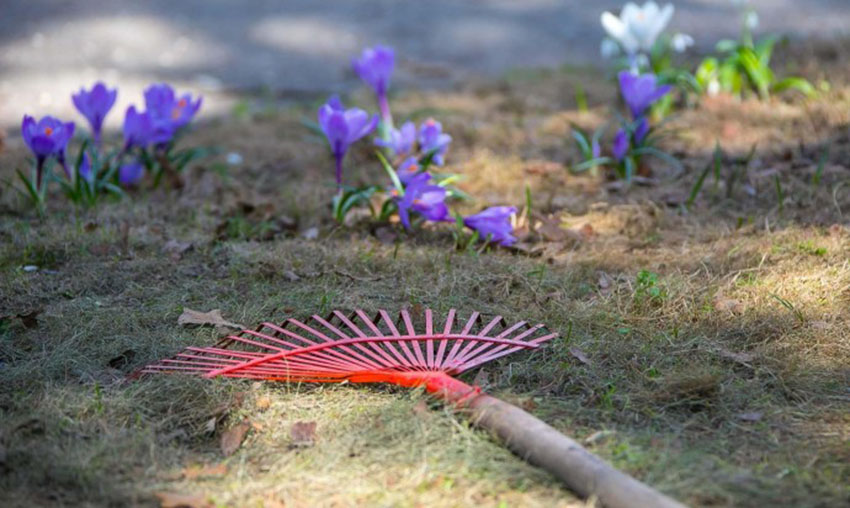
(743, 67)
(634, 138)
(149, 145)
(407, 154)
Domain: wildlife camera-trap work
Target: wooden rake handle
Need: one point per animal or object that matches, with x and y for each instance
(540, 444)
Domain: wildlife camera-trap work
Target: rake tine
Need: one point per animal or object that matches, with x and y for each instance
(447, 329)
(355, 358)
(378, 333)
(408, 323)
(474, 318)
(411, 361)
(331, 355)
(463, 358)
(429, 344)
(472, 343)
(381, 356)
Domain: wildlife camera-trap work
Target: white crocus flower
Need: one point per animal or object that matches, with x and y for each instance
(751, 20)
(637, 28)
(681, 42)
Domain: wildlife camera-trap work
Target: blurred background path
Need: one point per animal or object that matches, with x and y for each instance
(48, 48)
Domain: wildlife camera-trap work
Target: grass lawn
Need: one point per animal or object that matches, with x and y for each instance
(703, 351)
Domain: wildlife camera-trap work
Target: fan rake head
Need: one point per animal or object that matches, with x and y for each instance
(358, 348)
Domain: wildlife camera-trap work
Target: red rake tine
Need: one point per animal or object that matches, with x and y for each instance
(355, 348)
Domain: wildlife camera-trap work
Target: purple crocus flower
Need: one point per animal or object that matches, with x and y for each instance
(343, 127)
(595, 149)
(494, 222)
(400, 140)
(426, 199)
(408, 169)
(84, 171)
(640, 92)
(433, 141)
(620, 145)
(375, 66)
(95, 105)
(641, 130)
(45, 138)
(164, 107)
(131, 173)
(137, 129)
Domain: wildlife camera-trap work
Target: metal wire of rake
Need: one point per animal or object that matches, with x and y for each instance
(354, 347)
(342, 346)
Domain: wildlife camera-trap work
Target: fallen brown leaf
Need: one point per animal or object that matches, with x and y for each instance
(303, 434)
(178, 500)
(386, 235)
(232, 438)
(420, 408)
(194, 472)
(123, 359)
(213, 318)
(579, 355)
(586, 231)
(29, 319)
(742, 358)
(176, 249)
(604, 281)
(263, 402)
(751, 416)
(481, 379)
(728, 305)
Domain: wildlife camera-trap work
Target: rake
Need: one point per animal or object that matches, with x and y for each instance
(359, 349)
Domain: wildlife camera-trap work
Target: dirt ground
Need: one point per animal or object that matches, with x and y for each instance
(703, 349)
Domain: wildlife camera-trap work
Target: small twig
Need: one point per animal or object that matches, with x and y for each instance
(355, 277)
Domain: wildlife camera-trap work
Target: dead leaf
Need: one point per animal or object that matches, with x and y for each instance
(232, 438)
(29, 319)
(750, 417)
(597, 436)
(481, 378)
(209, 427)
(195, 472)
(178, 500)
(728, 305)
(303, 434)
(421, 408)
(579, 355)
(176, 249)
(551, 230)
(123, 359)
(586, 231)
(213, 317)
(820, 325)
(263, 403)
(100, 249)
(270, 501)
(604, 281)
(530, 249)
(742, 358)
(125, 238)
(310, 233)
(386, 235)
